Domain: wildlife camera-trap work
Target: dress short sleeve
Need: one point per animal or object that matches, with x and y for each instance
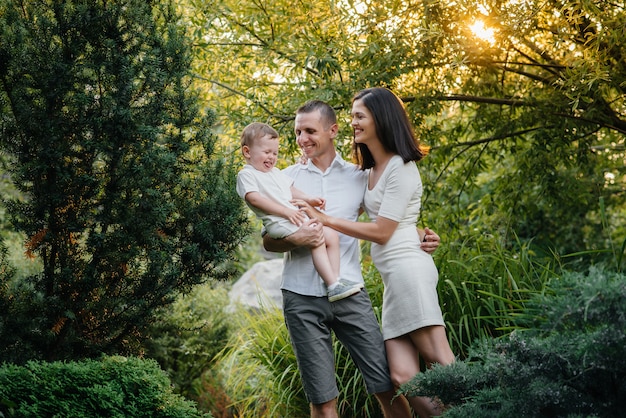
(402, 184)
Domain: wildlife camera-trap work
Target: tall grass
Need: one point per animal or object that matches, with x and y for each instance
(483, 286)
(258, 369)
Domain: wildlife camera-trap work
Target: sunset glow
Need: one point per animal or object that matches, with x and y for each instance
(479, 30)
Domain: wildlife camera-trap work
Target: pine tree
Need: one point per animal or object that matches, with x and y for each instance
(125, 202)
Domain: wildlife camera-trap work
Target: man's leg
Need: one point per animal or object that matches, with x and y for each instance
(307, 319)
(325, 410)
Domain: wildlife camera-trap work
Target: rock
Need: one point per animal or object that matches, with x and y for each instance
(259, 287)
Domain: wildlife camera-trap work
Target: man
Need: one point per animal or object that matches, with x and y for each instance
(309, 316)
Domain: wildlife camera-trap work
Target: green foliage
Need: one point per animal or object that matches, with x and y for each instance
(121, 195)
(22, 265)
(288, 63)
(112, 387)
(189, 334)
(250, 249)
(15, 260)
(6, 271)
(484, 286)
(565, 359)
(258, 369)
(526, 128)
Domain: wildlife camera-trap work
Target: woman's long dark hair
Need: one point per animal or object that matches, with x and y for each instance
(393, 127)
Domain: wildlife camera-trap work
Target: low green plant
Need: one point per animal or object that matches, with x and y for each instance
(565, 358)
(188, 334)
(483, 286)
(114, 387)
(258, 368)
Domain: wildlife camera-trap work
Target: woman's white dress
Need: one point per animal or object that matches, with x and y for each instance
(410, 299)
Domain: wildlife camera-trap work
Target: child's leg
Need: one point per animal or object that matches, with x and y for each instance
(331, 238)
(323, 265)
(326, 257)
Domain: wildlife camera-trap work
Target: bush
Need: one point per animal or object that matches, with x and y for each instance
(189, 334)
(565, 359)
(483, 286)
(113, 387)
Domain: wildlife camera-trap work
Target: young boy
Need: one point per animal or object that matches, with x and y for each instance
(268, 193)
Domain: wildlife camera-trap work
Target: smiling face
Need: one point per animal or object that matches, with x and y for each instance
(262, 153)
(362, 123)
(313, 136)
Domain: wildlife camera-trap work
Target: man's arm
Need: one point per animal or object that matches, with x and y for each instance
(309, 235)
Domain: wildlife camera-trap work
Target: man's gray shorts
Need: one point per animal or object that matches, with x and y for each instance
(310, 320)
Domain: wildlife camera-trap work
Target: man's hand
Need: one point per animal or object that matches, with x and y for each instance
(309, 235)
(430, 240)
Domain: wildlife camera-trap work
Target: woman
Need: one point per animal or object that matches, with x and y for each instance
(412, 322)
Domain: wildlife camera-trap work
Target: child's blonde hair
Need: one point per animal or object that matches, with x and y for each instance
(255, 131)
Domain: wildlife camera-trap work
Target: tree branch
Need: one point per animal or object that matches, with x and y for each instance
(616, 125)
(234, 91)
(474, 99)
(268, 47)
(495, 138)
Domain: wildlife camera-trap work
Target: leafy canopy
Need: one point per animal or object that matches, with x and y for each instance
(522, 102)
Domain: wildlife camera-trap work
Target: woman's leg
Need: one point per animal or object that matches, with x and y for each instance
(432, 344)
(403, 359)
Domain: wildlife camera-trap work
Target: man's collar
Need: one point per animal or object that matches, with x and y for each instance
(338, 160)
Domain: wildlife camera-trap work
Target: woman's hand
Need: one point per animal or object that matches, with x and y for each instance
(294, 216)
(310, 211)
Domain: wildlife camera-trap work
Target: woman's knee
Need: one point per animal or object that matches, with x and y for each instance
(401, 376)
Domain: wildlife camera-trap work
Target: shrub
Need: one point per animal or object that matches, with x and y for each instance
(483, 286)
(113, 387)
(565, 359)
(189, 334)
